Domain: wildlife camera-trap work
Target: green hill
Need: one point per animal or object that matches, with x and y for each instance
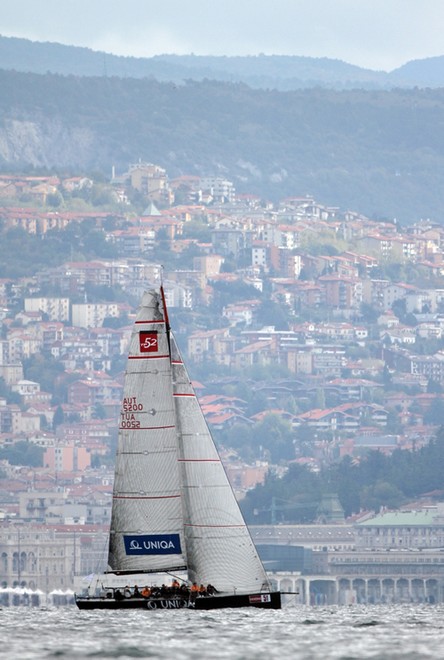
(379, 152)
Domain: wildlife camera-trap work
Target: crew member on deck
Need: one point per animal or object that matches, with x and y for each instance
(194, 590)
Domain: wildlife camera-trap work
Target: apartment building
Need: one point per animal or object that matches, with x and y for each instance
(57, 309)
(92, 315)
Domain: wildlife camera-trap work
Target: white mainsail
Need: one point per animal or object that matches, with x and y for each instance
(146, 523)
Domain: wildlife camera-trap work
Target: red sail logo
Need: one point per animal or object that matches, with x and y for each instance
(148, 342)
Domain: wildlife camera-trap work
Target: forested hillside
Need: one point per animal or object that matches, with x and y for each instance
(378, 152)
(377, 481)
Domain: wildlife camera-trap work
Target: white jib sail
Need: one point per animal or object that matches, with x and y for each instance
(146, 523)
(220, 550)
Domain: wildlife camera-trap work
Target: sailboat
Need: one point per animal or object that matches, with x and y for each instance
(174, 514)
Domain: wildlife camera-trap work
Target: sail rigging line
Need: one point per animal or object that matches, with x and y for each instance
(177, 577)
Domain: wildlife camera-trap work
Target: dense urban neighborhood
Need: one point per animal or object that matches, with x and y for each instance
(311, 333)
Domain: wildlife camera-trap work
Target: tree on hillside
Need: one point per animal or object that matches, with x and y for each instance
(59, 417)
(275, 436)
(270, 313)
(23, 453)
(43, 369)
(376, 480)
(226, 293)
(435, 414)
(381, 494)
(292, 498)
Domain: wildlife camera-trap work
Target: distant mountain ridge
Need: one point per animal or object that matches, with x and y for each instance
(279, 72)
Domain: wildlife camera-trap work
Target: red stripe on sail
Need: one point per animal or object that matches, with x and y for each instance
(213, 526)
(145, 497)
(147, 357)
(139, 322)
(146, 428)
(182, 394)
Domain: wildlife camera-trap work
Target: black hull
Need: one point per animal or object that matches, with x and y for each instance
(264, 601)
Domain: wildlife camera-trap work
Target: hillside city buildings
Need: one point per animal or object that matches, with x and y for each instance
(357, 365)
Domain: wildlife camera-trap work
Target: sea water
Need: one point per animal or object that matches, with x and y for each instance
(410, 632)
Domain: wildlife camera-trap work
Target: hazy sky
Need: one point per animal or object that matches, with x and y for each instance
(377, 34)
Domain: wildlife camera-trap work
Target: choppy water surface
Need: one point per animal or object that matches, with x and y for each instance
(382, 632)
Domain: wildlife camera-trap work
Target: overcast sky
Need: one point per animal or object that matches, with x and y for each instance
(376, 34)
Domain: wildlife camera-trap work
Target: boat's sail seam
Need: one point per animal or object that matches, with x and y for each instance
(146, 428)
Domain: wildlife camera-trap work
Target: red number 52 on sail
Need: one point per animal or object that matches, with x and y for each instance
(148, 342)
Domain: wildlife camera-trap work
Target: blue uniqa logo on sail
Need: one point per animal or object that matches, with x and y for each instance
(158, 544)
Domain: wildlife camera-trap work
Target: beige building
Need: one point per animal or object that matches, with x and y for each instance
(11, 373)
(39, 556)
(152, 181)
(209, 264)
(92, 315)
